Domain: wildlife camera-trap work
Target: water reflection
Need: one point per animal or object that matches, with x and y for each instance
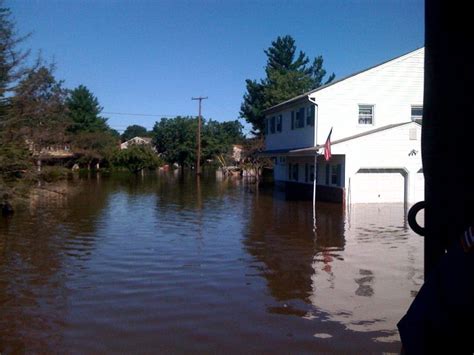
(34, 247)
(184, 264)
(373, 279)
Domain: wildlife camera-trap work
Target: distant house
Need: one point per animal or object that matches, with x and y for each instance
(237, 152)
(136, 140)
(376, 150)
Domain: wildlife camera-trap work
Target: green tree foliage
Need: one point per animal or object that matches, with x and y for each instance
(288, 74)
(37, 113)
(14, 155)
(15, 161)
(218, 137)
(134, 131)
(136, 158)
(92, 140)
(84, 110)
(11, 57)
(175, 139)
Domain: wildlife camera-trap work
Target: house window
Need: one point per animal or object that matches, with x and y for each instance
(310, 115)
(279, 120)
(300, 117)
(272, 124)
(282, 160)
(265, 127)
(416, 113)
(295, 171)
(336, 174)
(366, 114)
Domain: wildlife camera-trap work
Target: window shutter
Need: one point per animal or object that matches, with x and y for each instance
(327, 174)
(306, 172)
(292, 119)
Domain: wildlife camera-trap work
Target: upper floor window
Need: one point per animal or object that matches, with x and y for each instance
(366, 114)
(416, 112)
(272, 124)
(297, 118)
(310, 115)
(279, 121)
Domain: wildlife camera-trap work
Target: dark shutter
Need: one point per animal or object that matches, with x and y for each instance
(292, 119)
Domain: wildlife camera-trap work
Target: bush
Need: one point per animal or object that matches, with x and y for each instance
(137, 158)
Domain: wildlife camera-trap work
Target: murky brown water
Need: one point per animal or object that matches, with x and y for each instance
(165, 265)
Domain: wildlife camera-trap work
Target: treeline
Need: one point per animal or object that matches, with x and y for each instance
(42, 123)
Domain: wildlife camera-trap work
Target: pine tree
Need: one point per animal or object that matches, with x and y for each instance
(84, 110)
(288, 74)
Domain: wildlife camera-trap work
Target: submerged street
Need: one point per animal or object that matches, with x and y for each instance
(170, 264)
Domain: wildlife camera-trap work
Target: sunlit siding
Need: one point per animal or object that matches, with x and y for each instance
(392, 88)
(290, 138)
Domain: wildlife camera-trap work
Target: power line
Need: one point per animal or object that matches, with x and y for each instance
(138, 114)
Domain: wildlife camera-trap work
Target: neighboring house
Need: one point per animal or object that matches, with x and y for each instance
(136, 140)
(376, 148)
(237, 152)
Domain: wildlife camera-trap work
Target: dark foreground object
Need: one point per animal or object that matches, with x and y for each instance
(440, 317)
(6, 208)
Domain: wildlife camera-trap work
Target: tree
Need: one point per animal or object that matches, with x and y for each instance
(84, 110)
(136, 158)
(37, 113)
(288, 74)
(218, 137)
(134, 131)
(91, 137)
(175, 139)
(11, 57)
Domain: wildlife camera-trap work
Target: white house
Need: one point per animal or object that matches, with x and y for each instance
(376, 138)
(137, 141)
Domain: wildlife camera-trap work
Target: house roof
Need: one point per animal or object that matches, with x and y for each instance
(305, 95)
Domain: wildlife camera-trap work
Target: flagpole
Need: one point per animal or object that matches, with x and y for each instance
(314, 188)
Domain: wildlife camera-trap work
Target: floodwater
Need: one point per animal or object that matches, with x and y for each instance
(168, 264)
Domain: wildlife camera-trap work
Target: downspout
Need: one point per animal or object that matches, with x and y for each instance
(316, 107)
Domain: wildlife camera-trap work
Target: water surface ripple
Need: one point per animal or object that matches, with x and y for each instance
(168, 264)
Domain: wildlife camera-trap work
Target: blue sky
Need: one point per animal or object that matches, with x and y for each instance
(151, 57)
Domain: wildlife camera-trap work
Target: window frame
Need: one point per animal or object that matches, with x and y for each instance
(279, 123)
(372, 122)
(416, 117)
(272, 125)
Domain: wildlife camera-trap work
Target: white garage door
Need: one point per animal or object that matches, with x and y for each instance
(379, 187)
(419, 187)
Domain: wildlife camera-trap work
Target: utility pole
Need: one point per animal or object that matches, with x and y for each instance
(198, 152)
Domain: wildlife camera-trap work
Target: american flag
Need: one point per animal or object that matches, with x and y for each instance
(327, 146)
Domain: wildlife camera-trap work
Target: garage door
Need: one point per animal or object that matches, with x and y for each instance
(419, 187)
(377, 187)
